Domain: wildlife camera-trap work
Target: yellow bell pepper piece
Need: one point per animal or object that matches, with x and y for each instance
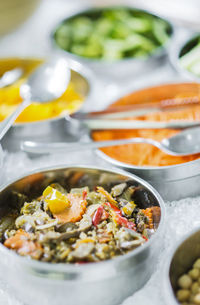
(82, 241)
(128, 208)
(57, 202)
(107, 195)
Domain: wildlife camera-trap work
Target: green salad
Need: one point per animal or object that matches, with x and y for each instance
(190, 56)
(113, 34)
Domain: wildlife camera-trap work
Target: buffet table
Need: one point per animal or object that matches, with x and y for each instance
(32, 40)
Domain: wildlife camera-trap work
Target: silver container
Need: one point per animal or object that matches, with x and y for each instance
(120, 70)
(107, 282)
(179, 262)
(176, 51)
(175, 181)
(54, 129)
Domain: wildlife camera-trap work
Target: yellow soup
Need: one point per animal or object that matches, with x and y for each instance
(10, 98)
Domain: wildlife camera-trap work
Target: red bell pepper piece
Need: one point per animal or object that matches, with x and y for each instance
(97, 216)
(145, 237)
(114, 208)
(124, 222)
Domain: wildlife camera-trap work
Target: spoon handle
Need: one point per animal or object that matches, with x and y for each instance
(8, 122)
(45, 148)
(101, 124)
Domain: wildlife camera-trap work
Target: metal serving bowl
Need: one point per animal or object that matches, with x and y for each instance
(120, 69)
(107, 282)
(179, 262)
(179, 48)
(175, 181)
(54, 128)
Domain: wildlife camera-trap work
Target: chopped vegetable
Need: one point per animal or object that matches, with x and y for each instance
(78, 226)
(113, 207)
(57, 202)
(124, 222)
(97, 216)
(113, 34)
(129, 208)
(107, 195)
(22, 243)
(191, 59)
(75, 211)
(148, 213)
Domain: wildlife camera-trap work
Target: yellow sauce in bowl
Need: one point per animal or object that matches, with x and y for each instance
(10, 98)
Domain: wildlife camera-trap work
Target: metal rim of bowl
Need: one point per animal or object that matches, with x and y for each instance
(159, 52)
(174, 57)
(1, 157)
(167, 173)
(62, 267)
(77, 67)
(168, 290)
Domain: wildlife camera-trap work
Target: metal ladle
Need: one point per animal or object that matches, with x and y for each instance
(184, 143)
(45, 84)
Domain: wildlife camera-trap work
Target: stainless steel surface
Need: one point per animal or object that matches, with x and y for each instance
(10, 77)
(54, 129)
(107, 282)
(121, 69)
(179, 261)
(182, 144)
(45, 84)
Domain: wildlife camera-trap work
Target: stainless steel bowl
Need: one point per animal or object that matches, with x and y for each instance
(54, 129)
(177, 49)
(107, 282)
(121, 69)
(175, 181)
(179, 262)
(172, 182)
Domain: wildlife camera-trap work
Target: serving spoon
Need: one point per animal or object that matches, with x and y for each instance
(184, 143)
(45, 84)
(10, 77)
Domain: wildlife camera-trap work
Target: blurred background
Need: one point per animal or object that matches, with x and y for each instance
(24, 35)
(26, 27)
